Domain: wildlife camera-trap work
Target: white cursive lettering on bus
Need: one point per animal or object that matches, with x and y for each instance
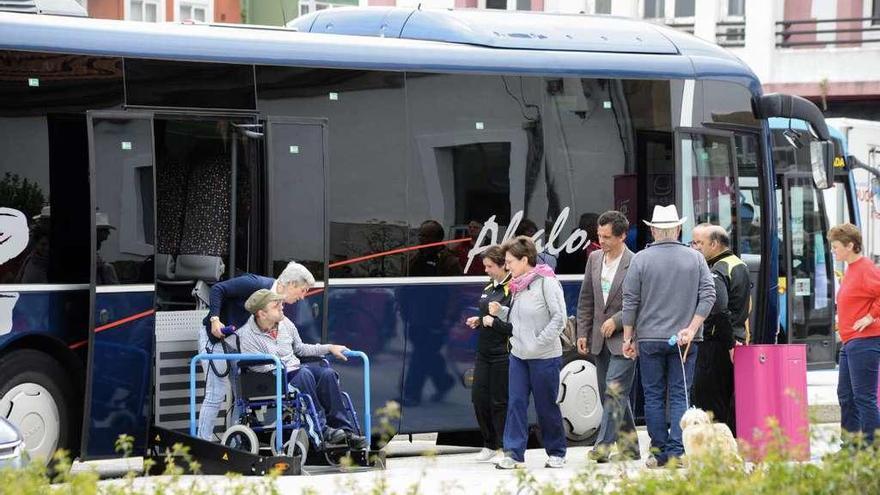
(576, 241)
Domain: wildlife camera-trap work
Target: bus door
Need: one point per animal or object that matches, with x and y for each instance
(806, 269)
(296, 225)
(122, 289)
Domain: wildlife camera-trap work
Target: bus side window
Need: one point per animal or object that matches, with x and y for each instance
(748, 154)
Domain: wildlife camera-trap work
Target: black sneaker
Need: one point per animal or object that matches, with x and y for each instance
(334, 436)
(356, 442)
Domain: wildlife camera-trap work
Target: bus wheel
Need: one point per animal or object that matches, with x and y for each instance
(34, 396)
(579, 400)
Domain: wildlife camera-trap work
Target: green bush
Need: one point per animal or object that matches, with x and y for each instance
(853, 470)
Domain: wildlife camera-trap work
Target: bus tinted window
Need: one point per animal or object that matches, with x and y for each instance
(366, 132)
(473, 142)
(727, 103)
(707, 192)
(498, 153)
(748, 157)
(159, 83)
(123, 186)
(44, 191)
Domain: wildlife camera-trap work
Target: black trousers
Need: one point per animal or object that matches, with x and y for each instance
(713, 382)
(489, 396)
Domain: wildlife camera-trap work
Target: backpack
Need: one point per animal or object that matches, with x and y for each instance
(569, 334)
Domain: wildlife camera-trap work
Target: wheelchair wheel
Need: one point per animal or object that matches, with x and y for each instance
(298, 445)
(240, 437)
(272, 444)
(334, 456)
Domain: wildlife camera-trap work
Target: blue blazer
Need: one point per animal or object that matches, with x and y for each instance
(228, 297)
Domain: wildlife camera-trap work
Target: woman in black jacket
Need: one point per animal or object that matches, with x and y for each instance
(489, 393)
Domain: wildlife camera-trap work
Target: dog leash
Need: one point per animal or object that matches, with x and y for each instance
(682, 356)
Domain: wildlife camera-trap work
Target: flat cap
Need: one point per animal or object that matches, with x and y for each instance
(260, 299)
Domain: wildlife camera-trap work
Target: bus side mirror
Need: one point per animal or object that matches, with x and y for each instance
(822, 163)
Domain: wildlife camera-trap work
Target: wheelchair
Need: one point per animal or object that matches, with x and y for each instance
(255, 400)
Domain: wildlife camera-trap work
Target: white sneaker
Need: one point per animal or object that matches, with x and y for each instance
(485, 455)
(509, 463)
(555, 462)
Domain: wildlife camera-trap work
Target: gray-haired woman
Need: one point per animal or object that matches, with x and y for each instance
(226, 314)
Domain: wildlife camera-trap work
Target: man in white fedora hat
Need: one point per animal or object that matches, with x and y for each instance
(668, 292)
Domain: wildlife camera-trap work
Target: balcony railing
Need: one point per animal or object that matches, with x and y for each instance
(730, 34)
(806, 32)
(687, 27)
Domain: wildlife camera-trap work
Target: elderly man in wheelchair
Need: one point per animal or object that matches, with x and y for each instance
(315, 406)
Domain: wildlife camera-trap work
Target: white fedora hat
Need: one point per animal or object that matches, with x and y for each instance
(665, 217)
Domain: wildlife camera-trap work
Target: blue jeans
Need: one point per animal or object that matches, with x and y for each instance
(540, 378)
(617, 412)
(215, 391)
(660, 371)
(857, 386)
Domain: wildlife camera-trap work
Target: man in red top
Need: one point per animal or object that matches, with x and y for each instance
(858, 321)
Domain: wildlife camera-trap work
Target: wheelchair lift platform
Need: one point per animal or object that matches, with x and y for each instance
(217, 459)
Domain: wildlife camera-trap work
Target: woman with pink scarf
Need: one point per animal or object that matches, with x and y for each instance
(537, 314)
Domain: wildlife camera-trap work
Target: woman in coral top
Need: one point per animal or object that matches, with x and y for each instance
(858, 321)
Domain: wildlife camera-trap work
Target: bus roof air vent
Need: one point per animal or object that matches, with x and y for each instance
(51, 7)
(495, 29)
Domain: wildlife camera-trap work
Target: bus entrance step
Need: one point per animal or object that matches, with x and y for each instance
(213, 458)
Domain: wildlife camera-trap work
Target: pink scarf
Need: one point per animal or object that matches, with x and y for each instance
(523, 281)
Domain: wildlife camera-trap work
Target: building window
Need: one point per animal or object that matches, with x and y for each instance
(736, 8)
(194, 10)
(308, 7)
(145, 11)
(603, 7)
(875, 12)
(684, 8)
(524, 5)
(654, 9)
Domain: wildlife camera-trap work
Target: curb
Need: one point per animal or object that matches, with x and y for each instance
(824, 413)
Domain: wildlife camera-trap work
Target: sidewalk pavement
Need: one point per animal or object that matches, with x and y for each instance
(822, 396)
(454, 464)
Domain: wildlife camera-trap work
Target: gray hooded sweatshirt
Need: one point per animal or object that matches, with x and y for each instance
(537, 314)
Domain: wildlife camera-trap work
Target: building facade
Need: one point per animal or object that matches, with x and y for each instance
(165, 10)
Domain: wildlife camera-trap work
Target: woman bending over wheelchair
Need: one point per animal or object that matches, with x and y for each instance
(268, 331)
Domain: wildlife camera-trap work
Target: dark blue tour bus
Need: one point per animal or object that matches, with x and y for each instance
(383, 148)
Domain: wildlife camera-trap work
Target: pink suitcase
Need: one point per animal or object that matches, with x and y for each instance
(770, 383)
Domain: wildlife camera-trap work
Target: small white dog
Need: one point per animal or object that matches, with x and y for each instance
(702, 438)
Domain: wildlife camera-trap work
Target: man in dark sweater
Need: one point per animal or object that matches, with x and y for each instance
(713, 383)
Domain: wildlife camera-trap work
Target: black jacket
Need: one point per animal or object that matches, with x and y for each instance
(734, 275)
(493, 341)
